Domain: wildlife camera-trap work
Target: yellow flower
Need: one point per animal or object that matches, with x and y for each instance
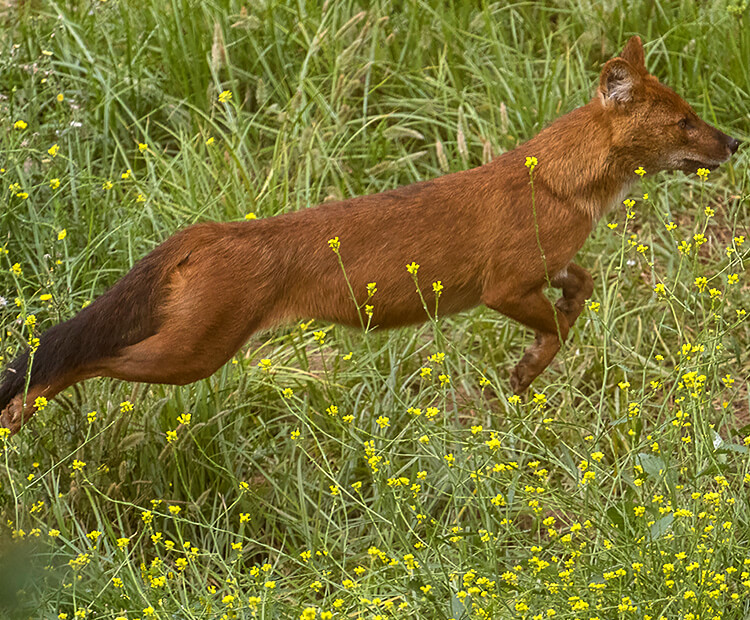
(531, 163)
(703, 173)
(383, 421)
(54, 183)
(20, 125)
(40, 403)
(126, 174)
(588, 477)
(251, 216)
(225, 95)
(334, 244)
(62, 234)
(412, 268)
(107, 185)
(126, 406)
(60, 97)
(142, 147)
(640, 171)
(53, 150)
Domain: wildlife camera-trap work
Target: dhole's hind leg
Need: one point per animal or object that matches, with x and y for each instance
(577, 286)
(21, 408)
(169, 357)
(551, 329)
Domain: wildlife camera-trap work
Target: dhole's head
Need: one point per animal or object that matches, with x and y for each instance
(651, 125)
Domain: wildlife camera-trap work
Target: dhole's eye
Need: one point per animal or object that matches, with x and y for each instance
(684, 123)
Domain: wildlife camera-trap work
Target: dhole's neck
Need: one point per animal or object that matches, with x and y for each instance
(578, 162)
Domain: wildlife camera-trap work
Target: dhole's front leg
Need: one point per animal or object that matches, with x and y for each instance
(577, 286)
(550, 326)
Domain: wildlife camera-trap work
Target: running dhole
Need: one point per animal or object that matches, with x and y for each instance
(189, 305)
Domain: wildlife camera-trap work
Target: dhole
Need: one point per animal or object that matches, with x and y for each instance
(190, 304)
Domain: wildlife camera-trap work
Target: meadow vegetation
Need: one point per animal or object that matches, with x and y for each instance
(337, 473)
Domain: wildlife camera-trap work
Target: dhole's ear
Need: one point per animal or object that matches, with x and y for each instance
(618, 82)
(633, 53)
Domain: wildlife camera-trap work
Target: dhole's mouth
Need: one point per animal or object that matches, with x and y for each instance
(692, 165)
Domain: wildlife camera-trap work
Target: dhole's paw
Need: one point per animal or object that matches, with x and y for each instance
(12, 416)
(520, 379)
(570, 308)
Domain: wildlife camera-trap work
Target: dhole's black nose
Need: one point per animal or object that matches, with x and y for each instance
(734, 144)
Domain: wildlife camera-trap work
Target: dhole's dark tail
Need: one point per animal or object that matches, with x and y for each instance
(124, 315)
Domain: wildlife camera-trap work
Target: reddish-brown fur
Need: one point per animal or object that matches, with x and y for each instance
(188, 306)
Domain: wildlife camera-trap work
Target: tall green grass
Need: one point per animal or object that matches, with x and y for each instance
(340, 478)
